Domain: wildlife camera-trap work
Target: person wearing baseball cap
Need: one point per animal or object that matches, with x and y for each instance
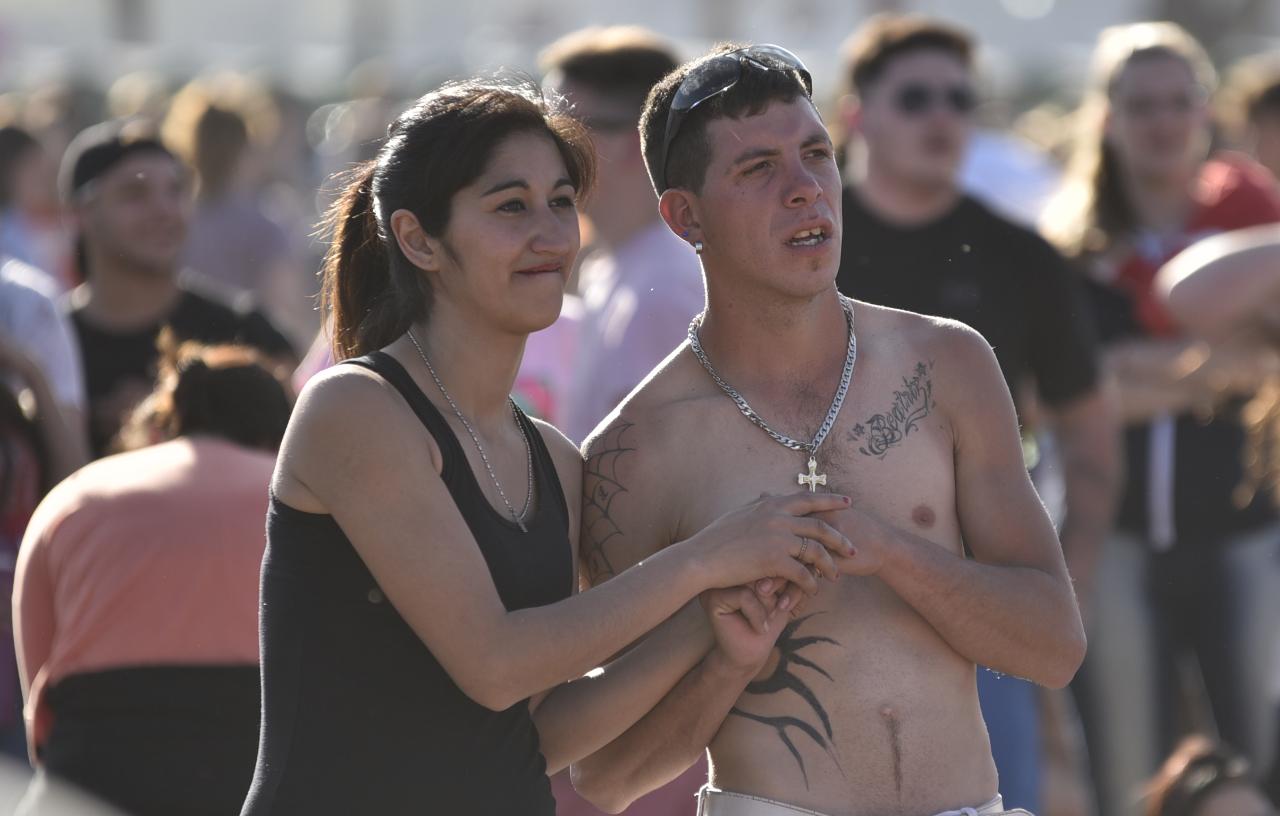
(129, 201)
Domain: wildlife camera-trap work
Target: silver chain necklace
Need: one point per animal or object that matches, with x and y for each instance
(812, 479)
(528, 450)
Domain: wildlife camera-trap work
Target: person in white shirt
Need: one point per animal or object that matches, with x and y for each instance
(38, 354)
(642, 284)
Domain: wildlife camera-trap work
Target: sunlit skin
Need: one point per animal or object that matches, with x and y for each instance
(771, 176)
(921, 150)
(135, 215)
(1158, 122)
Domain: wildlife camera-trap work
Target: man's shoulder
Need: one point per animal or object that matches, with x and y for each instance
(914, 333)
(662, 409)
(876, 323)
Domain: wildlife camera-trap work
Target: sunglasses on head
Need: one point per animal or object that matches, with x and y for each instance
(915, 98)
(714, 76)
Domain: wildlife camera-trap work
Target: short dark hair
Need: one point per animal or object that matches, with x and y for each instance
(690, 152)
(441, 144)
(883, 37)
(622, 61)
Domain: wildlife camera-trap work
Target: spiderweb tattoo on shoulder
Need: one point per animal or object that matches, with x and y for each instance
(785, 678)
(601, 486)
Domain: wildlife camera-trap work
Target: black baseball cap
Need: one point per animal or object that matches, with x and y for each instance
(97, 149)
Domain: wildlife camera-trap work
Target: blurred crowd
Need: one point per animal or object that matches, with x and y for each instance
(1119, 246)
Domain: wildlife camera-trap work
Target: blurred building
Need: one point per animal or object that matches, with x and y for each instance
(312, 45)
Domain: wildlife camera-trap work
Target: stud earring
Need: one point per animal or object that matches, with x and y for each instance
(697, 247)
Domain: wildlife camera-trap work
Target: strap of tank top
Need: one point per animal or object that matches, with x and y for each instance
(389, 369)
(548, 475)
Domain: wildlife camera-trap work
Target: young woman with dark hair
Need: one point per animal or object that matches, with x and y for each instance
(419, 619)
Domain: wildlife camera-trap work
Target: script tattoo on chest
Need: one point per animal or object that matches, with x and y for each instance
(601, 487)
(911, 404)
(785, 677)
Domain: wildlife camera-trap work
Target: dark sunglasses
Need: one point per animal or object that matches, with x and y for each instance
(914, 99)
(713, 77)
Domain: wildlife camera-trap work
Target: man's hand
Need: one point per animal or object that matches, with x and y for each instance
(746, 623)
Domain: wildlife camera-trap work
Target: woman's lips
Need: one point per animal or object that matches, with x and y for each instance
(542, 270)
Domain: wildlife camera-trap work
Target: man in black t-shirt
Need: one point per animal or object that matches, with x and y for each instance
(913, 240)
(130, 202)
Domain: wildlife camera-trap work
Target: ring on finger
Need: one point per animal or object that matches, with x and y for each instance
(804, 545)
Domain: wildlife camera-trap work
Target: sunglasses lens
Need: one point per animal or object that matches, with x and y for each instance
(781, 55)
(707, 80)
(962, 100)
(915, 99)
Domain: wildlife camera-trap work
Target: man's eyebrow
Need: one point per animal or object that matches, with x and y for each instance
(818, 137)
(754, 153)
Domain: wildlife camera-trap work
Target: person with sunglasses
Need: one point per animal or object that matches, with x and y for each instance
(865, 702)
(913, 239)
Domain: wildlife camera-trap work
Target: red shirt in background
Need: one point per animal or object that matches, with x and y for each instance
(1233, 192)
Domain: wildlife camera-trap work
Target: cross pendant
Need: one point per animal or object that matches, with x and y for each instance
(814, 478)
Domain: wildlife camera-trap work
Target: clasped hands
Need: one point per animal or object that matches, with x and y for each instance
(748, 619)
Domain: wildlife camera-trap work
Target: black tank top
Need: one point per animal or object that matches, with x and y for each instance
(358, 716)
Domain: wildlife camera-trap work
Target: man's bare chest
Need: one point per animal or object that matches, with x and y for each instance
(890, 450)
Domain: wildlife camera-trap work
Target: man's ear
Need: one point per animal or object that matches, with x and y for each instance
(420, 249)
(679, 208)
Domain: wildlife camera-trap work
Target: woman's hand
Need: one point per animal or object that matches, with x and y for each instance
(774, 537)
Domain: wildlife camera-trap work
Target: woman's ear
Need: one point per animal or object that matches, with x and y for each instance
(420, 249)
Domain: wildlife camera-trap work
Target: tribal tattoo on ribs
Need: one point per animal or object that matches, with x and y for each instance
(785, 678)
(600, 487)
(911, 404)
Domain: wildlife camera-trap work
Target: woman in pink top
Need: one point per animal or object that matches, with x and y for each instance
(135, 598)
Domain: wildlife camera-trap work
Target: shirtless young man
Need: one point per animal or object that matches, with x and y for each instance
(867, 702)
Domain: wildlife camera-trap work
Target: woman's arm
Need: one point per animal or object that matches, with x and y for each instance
(1173, 376)
(1224, 283)
(360, 453)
